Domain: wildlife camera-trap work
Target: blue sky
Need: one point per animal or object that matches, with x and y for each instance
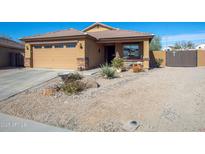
(169, 31)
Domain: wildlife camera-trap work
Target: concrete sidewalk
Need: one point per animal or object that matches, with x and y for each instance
(14, 124)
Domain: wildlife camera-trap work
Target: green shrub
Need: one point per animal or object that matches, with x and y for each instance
(71, 77)
(159, 62)
(117, 63)
(107, 71)
(73, 87)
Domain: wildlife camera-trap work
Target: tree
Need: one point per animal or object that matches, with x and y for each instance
(155, 44)
(184, 45)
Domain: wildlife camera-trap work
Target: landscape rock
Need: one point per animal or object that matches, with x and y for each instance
(90, 83)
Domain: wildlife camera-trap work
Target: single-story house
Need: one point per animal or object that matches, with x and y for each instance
(200, 46)
(86, 49)
(11, 53)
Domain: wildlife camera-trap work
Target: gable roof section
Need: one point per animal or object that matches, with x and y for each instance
(98, 35)
(10, 43)
(109, 34)
(100, 24)
(63, 33)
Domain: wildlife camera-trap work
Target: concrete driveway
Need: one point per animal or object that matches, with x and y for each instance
(13, 81)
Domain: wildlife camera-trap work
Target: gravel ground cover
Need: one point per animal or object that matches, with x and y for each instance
(166, 99)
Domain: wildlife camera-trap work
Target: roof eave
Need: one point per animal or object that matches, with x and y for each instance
(57, 38)
(124, 39)
(12, 47)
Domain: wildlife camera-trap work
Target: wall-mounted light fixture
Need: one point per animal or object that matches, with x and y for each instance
(81, 46)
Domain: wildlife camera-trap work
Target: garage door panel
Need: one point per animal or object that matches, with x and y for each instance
(54, 58)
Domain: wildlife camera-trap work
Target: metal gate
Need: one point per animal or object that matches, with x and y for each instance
(181, 58)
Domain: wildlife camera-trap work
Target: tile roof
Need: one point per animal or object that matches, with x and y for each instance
(68, 32)
(10, 43)
(107, 34)
(113, 33)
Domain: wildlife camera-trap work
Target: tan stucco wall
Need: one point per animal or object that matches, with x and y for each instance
(95, 53)
(27, 50)
(55, 57)
(146, 54)
(28, 58)
(158, 55)
(201, 58)
(97, 28)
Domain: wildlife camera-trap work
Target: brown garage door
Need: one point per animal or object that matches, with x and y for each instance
(181, 58)
(64, 58)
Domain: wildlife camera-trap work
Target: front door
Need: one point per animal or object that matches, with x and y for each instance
(109, 53)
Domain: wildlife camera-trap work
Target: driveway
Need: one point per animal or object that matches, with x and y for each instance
(13, 81)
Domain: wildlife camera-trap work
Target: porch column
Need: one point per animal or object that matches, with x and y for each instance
(28, 55)
(146, 54)
(118, 50)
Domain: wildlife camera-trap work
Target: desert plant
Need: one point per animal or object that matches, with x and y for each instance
(73, 87)
(71, 77)
(117, 63)
(159, 62)
(107, 71)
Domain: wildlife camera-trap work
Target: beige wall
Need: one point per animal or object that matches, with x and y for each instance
(97, 28)
(146, 57)
(158, 55)
(201, 58)
(28, 57)
(95, 53)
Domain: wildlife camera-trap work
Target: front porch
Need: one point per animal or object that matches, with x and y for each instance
(131, 52)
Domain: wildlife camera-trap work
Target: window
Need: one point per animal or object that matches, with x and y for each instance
(131, 51)
(37, 46)
(48, 46)
(71, 45)
(59, 46)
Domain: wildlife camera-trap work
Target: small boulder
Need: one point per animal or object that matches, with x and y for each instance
(90, 83)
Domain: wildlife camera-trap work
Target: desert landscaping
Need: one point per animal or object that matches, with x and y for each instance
(162, 99)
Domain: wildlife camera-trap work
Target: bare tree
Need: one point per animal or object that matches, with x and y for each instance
(184, 45)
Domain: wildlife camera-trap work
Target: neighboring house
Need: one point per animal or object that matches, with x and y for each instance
(11, 53)
(169, 48)
(200, 46)
(95, 45)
